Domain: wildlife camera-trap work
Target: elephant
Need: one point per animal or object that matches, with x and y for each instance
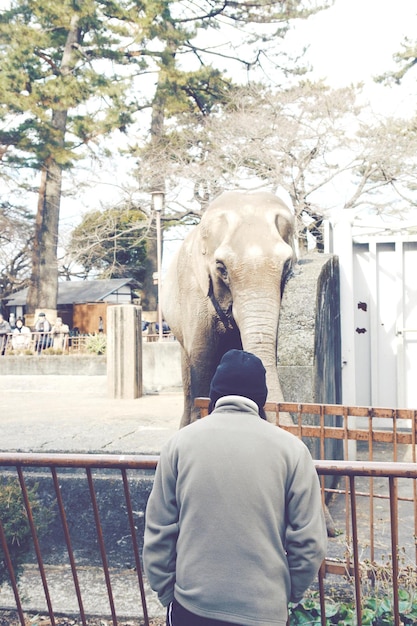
(224, 286)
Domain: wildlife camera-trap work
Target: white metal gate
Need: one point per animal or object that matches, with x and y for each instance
(385, 321)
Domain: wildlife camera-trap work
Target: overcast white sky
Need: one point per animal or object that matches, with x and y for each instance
(354, 40)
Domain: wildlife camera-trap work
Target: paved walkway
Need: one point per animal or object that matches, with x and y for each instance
(74, 414)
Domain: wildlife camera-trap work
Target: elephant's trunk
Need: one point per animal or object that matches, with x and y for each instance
(257, 319)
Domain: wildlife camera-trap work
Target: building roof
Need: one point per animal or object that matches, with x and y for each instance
(79, 291)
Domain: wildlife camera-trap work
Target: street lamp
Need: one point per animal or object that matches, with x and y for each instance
(158, 203)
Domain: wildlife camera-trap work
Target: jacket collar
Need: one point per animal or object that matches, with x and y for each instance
(229, 404)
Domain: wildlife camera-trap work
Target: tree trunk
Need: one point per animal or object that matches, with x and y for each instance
(43, 286)
(149, 291)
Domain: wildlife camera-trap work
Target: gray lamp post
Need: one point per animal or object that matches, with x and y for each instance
(158, 203)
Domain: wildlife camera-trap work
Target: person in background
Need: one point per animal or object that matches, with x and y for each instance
(12, 321)
(5, 330)
(42, 327)
(21, 337)
(234, 526)
(165, 328)
(59, 333)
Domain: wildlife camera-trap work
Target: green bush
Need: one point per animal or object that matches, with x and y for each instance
(96, 344)
(376, 611)
(16, 526)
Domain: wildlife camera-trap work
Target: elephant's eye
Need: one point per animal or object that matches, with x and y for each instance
(221, 270)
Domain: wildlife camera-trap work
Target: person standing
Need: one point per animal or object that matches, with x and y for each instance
(234, 526)
(12, 321)
(5, 330)
(60, 333)
(42, 328)
(21, 337)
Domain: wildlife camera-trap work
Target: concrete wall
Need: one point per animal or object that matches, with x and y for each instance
(161, 366)
(68, 365)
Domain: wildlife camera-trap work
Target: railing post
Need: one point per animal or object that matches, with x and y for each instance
(353, 511)
(393, 501)
(13, 581)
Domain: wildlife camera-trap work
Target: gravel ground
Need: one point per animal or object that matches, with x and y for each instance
(11, 618)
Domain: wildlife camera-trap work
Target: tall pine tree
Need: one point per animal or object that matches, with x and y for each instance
(66, 75)
(63, 81)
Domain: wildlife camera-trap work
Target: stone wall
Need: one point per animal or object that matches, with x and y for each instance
(309, 343)
(309, 361)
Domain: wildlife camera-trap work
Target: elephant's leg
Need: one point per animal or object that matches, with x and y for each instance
(202, 370)
(186, 384)
(197, 371)
(206, 358)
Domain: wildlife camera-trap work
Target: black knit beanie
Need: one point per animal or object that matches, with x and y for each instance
(239, 373)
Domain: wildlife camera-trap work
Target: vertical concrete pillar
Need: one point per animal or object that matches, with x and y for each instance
(342, 246)
(124, 351)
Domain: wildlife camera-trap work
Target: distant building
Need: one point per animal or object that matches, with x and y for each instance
(81, 303)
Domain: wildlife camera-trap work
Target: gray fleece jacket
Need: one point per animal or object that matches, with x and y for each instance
(234, 523)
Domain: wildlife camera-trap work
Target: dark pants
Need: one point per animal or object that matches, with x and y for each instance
(178, 616)
(3, 344)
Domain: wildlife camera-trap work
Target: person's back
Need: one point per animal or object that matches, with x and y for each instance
(235, 514)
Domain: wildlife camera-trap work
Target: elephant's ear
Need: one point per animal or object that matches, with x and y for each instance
(200, 258)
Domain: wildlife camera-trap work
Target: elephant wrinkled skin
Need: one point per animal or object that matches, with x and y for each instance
(223, 289)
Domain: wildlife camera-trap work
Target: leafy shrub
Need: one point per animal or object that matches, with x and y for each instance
(96, 344)
(25, 352)
(52, 351)
(16, 526)
(376, 611)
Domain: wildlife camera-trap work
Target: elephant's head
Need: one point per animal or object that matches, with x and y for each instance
(243, 256)
(223, 288)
